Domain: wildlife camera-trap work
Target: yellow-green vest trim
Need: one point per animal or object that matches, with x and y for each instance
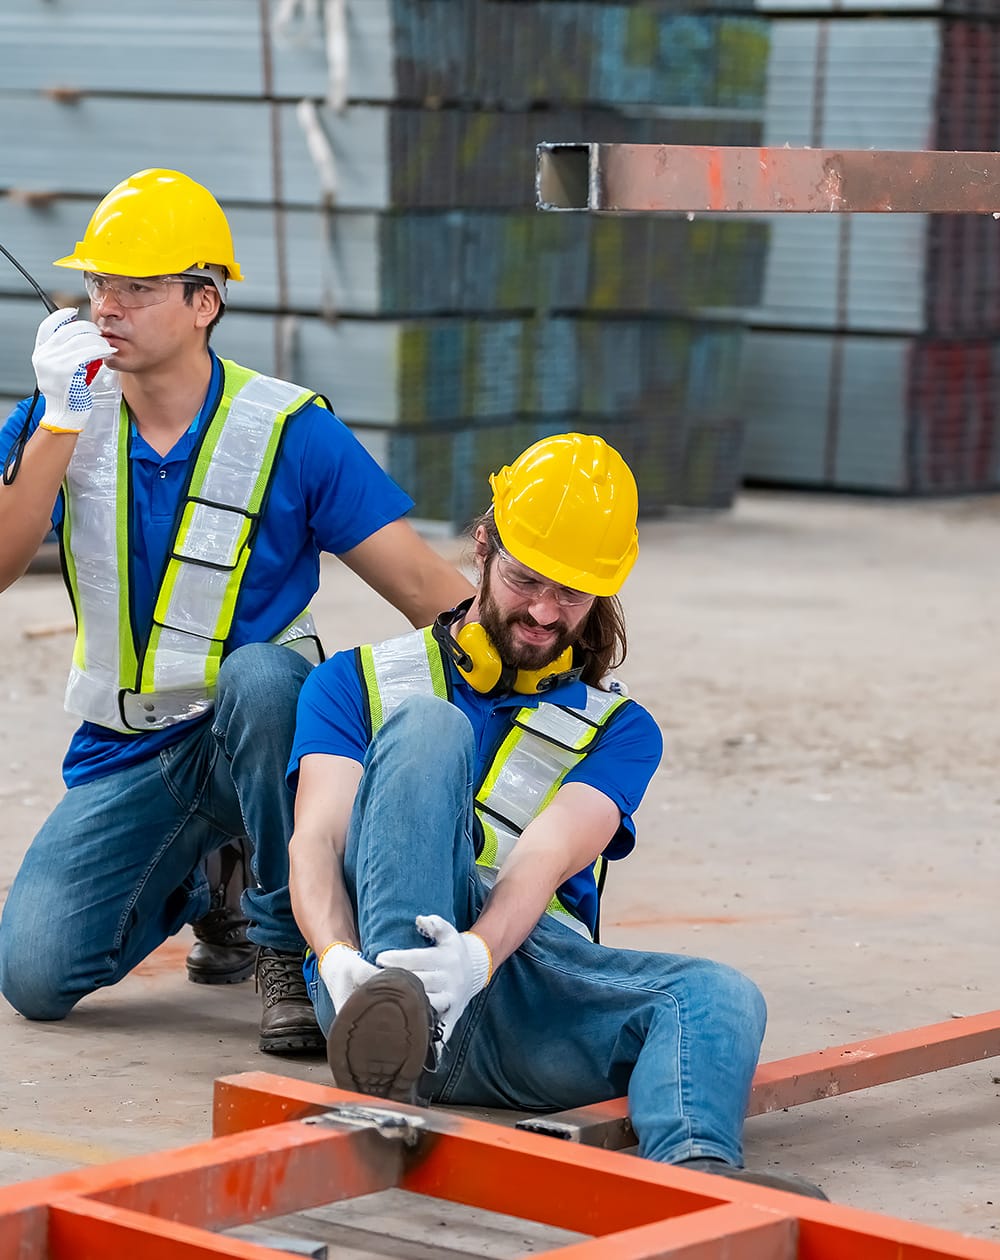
(171, 678)
(530, 764)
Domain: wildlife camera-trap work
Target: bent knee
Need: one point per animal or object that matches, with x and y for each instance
(738, 994)
(33, 990)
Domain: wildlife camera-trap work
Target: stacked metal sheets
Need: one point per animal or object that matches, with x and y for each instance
(871, 364)
(379, 179)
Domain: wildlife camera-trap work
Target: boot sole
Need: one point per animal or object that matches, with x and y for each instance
(379, 1040)
(294, 1043)
(233, 976)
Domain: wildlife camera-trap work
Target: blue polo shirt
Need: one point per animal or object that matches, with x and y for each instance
(332, 719)
(326, 494)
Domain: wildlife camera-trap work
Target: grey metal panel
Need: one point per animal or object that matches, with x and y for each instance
(880, 83)
(800, 278)
(887, 272)
(872, 83)
(871, 433)
(187, 46)
(785, 397)
(88, 146)
(850, 6)
(791, 84)
(19, 320)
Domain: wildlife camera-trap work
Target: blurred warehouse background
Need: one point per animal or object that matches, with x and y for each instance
(376, 159)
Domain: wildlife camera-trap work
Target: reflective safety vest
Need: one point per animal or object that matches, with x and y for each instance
(133, 687)
(542, 745)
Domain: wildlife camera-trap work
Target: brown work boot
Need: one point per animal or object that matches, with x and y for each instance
(221, 953)
(288, 1021)
(792, 1183)
(383, 1037)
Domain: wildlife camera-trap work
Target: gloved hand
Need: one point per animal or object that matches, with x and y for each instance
(343, 970)
(64, 349)
(453, 969)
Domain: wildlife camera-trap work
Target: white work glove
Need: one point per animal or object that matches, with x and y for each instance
(65, 347)
(453, 969)
(343, 970)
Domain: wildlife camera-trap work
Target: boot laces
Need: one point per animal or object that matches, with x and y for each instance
(278, 976)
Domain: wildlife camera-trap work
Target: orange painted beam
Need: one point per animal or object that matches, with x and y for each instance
(230, 1180)
(82, 1230)
(807, 1078)
(728, 1232)
(862, 1064)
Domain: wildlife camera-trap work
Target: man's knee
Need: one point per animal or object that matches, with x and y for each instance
(738, 996)
(32, 980)
(266, 670)
(259, 685)
(435, 722)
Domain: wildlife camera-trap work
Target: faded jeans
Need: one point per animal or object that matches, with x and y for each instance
(115, 869)
(564, 1022)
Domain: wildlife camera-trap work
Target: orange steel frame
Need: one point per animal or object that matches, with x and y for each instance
(283, 1146)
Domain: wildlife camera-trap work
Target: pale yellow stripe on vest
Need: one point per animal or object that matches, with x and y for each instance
(491, 844)
(79, 647)
(435, 662)
(128, 662)
(50, 1146)
(511, 740)
(371, 686)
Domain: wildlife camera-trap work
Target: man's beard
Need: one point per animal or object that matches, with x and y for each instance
(499, 627)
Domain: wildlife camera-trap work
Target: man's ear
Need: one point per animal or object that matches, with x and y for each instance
(206, 304)
(481, 547)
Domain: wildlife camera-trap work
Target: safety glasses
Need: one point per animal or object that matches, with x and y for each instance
(528, 586)
(131, 291)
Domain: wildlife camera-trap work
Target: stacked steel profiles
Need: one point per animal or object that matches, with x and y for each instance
(874, 362)
(376, 158)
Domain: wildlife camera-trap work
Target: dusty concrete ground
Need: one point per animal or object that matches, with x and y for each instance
(826, 674)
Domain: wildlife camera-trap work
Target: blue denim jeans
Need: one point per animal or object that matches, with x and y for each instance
(564, 1021)
(115, 869)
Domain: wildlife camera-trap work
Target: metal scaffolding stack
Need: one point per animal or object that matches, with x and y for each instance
(874, 360)
(376, 158)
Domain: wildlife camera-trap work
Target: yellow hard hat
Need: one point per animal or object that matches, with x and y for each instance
(155, 223)
(567, 508)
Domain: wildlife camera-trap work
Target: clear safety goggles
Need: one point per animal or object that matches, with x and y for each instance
(529, 586)
(131, 291)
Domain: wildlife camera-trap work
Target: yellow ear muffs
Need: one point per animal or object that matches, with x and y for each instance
(488, 671)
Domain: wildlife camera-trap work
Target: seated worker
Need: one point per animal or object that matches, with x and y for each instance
(192, 498)
(459, 792)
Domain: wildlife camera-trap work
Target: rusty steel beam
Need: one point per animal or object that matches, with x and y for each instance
(645, 178)
(807, 1078)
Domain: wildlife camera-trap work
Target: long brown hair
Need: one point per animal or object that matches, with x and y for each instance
(601, 645)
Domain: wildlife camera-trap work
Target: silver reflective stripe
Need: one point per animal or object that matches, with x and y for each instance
(152, 711)
(543, 746)
(90, 544)
(393, 671)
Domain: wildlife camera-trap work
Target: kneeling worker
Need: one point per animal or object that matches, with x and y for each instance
(459, 790)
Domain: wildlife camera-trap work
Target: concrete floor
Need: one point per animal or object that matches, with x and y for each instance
(826, 674)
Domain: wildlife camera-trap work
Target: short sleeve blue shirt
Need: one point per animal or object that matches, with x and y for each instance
(326, 494)
(331, 719)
